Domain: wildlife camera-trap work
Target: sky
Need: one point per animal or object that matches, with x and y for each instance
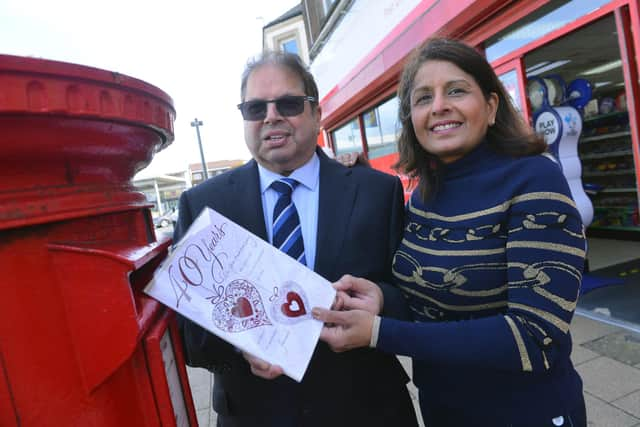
(194, 50)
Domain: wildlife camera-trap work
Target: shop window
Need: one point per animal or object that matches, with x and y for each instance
(584, 69)
(548, 18)
(347, 139)
(381, 128)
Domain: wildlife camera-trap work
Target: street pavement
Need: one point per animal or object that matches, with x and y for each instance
(607, 357)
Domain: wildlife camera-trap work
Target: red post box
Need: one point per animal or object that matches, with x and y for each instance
(80, 344)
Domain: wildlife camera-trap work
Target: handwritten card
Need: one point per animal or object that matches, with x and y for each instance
(245, 291)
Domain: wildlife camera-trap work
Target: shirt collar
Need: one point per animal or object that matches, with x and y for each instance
(307, 175)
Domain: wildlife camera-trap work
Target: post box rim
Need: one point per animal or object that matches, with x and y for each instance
(42, 66)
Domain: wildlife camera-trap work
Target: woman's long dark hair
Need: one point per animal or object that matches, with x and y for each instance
(509, 135)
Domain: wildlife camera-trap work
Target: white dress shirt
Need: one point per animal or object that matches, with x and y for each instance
(305, 197)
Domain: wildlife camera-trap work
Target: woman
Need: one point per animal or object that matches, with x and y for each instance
(491, 260)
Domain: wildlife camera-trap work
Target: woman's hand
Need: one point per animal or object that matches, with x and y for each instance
(355, 293)
(349, 329)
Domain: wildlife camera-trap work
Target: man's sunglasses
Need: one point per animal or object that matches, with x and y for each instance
(287, 106)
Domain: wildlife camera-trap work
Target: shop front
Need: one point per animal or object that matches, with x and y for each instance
(588, 63)
(571, 68)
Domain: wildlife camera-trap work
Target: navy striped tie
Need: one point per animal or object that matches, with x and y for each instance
(287, 234)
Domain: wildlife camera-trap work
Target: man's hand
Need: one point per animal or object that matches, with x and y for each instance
(350, 159)
(262, 368)
(349, 329)
(355, 293)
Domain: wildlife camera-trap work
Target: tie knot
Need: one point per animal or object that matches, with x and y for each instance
(284, 185)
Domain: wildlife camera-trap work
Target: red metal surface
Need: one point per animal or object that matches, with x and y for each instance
(634, 12)
(72, 138)
(321, 138)
(116, 324)
(157, 368)
(630, 69)
(526, 108)
(77, 245)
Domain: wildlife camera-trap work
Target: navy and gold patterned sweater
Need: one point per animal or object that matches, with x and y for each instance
(491, 268)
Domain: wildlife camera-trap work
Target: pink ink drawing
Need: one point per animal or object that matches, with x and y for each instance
(241, 309)
(274, 295)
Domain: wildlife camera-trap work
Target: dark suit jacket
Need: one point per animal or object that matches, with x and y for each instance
(359, 226)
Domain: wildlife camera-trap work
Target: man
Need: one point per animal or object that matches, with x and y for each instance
(350, 222)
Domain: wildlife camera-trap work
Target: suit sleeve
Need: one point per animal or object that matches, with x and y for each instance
(201, 348)
(395, 305)
(185, 218)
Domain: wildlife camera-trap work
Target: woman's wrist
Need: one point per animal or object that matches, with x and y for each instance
(375, 329)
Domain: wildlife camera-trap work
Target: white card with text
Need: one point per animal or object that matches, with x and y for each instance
(245, 291)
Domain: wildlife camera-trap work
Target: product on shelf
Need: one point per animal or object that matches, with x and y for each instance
(608, 169)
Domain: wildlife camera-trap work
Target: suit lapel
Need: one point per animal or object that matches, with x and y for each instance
(336, 200)
(247, 209)
(337, 196)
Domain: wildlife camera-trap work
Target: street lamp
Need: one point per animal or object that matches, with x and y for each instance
(197, 123)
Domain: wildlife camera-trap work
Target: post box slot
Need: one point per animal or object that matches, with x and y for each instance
(168, 372)
(105, 317)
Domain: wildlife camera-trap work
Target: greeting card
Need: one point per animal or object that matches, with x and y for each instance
(245, 291)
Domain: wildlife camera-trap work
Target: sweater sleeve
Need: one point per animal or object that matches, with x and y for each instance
(545, 253)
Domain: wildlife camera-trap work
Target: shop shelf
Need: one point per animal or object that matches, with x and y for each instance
(616, 227)
(614, 207)
(605, 117)
(619, 190)
(607, 155)
(610, 172)
(605, 136)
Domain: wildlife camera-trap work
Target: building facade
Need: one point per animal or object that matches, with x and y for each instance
(569, 52)
(287, 33)
(163, 191)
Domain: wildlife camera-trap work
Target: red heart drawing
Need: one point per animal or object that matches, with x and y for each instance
(294, 306)
(290, 304)
(242, 308)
